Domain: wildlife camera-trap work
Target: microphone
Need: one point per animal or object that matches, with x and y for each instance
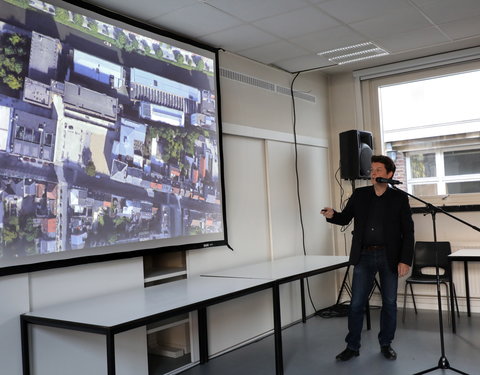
(388, 181)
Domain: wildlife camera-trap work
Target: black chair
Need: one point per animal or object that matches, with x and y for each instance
(425, 257)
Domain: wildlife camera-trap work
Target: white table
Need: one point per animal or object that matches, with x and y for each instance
(122, 311)
(465, 256)
(285, 269)
(282, 271)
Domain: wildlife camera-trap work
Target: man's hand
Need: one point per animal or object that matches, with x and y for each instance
(403, 269)
(327, 212)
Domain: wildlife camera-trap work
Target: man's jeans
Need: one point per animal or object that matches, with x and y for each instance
(364, 273)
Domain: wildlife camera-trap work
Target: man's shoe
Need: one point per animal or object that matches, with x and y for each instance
(388, 352)
(347, 354)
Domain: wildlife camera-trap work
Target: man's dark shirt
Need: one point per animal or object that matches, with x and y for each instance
(374, 228)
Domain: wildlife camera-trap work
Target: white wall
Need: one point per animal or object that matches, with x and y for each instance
(263, 223)
(14, 301)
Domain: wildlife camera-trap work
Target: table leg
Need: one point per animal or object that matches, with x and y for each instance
(25, 346)
(110, 339)
(467, 286)
(203, 334)
(302, 295)
(277, 330)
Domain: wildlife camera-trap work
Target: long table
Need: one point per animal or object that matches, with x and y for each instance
(465, 256)
(286, 270)
(279, 272)
(118, 312)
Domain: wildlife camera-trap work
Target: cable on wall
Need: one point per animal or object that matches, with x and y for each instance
(292, 94)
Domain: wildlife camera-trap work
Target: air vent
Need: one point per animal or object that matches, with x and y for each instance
(230, 74)
(249, 80)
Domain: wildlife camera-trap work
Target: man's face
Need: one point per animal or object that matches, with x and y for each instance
(378, 170)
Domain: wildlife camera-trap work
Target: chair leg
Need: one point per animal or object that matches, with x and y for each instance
(413, 298)
(454, 293)
(404, 303)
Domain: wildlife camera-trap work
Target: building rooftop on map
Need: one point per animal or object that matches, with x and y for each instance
(89, 102)
(44, 52)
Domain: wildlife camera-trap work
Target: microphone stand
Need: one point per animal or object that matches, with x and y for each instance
(432, 210)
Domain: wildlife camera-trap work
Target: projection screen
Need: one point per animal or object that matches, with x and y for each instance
(110, 138)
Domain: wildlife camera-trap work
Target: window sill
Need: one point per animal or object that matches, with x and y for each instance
(449, 203)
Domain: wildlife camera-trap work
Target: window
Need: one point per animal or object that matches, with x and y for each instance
(430, 123)
(426, 117)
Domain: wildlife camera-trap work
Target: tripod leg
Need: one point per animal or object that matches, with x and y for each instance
(425, 371)
(404, 303)
(344, 285)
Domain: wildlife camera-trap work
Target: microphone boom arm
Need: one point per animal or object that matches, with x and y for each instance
(433, 209)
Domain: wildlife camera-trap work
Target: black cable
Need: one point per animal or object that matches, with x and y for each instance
(296, 162)
(292, 94)
(335, 311)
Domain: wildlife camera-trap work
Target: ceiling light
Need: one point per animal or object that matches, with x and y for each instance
(345, 48)
(363, 58)
(357, 52)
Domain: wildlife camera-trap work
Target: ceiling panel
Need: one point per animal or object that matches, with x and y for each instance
(192, 20)
(272, 52)
(349, 11)
(335, 37)
(464, 28)
(442, 11)
(253, 10)
(298, 22)
(239, 38)
(393, 22)
(410, 40)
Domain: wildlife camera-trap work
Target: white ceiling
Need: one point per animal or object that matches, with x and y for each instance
(288, 34)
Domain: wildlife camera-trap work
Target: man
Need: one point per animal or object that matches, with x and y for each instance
(383, 242)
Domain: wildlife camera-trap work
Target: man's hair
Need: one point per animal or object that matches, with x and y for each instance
(386, 161)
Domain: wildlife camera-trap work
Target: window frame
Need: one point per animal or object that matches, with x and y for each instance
(441, 179)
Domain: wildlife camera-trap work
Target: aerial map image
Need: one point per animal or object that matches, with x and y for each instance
(107, 136)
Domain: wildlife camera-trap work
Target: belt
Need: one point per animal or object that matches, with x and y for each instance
(373, 248)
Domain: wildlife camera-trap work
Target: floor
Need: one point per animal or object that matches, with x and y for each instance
(311, 349)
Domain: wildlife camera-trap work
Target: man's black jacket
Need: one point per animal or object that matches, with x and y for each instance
(397, 224)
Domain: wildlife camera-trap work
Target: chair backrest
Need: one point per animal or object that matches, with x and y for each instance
(426, 256)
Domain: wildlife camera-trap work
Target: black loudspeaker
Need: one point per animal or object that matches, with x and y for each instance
(355, 153)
